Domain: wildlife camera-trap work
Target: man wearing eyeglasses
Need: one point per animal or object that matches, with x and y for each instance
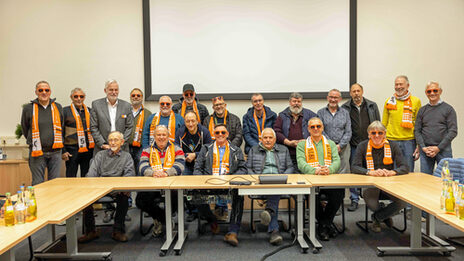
(222, 116)
(110, 114)
(141, 115)
(42, 124)
(166, 117)
(222, 157)
(379, 157)
(436, 126)
(399, 116)
(318, 155)
(78, 140)
(189, 102)
(255, 120)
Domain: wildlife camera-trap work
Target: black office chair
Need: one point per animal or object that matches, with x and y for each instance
(105, 201)
(283, 224)
(342, 207)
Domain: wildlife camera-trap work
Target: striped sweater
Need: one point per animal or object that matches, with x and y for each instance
(146, 170)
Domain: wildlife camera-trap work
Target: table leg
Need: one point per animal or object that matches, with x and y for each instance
(429, 232)
(9, 255)
(311, 234)
(180, 220)
(170, 235)
(300, 222)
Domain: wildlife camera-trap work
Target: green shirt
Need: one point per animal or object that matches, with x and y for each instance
(270, 165)
(305, 168)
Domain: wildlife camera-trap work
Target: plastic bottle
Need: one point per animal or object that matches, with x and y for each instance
(32, 205)
(9, 211)
(445, 172)
(461, 205)
(20, 209)
(450, 201)
(444, 190)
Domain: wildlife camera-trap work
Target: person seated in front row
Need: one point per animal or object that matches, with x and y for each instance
(222, 157)
(267, 157)
(161, 159)
(319, 156)
(380, 158)
(112, 162)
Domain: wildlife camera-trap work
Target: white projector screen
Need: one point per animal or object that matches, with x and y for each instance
(238, 47)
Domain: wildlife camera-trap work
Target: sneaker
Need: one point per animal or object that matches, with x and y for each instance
(375, 225)
(119, 236)
(128, 218)
(87, 237)
(157, 228)
(333, 233)
(353, 206)
(388, 222)
(265, 217)
(275, 238)
(108, 216)
(215, 228)
(231, 239)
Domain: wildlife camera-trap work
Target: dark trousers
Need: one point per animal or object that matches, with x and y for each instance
(50, 160)
(135, 152)
(77, 159)
(334, 197)
(237, 212)
(122, 206)
(149, 203)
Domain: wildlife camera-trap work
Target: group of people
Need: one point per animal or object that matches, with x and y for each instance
(115, 138)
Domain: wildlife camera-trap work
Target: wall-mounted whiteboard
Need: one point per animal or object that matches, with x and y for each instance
(237, 47)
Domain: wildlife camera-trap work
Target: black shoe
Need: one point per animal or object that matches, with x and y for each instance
(353, 206)
(323, 233)
(333, 231)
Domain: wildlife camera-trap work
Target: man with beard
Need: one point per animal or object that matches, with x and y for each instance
(291, 125)
(110, 114)
(189, 102)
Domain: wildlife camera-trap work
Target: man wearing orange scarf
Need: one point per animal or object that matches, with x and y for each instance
(189, 102)
(379, 157)
(42, 125)
(399, 116)
(319, 156)
(78, 141)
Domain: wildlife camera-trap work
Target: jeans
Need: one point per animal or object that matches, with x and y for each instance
(122, 206)
(345, 159)
(272, 205)
(50, 160)
(427, 164)
(372, 197)
(77, 160)
(354, 193)
(407, 147)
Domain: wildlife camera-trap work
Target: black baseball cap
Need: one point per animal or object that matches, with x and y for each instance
(188, 87)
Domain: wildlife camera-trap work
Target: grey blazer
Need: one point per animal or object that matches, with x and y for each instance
(100, 124)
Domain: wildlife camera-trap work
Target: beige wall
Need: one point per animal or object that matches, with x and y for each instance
(83, 43)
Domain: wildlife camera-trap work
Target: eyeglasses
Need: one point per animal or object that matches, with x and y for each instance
(257, 100)
(188, 94)
(220, 132)
(380, 133)
(218, 98)
(136, 95)
(79, 96)
(219, 104)
(43, 90)
(165, 103)
(316, 126)
(334, 97)
(433, 90)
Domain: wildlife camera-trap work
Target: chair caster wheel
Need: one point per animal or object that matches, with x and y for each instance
(163, 253)
(109, 258)
(380, 253)
(315, 250)
(178, 252)
(304, 250)
(447, 253)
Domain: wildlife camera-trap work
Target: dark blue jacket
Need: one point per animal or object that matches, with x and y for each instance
(205, 138)
(250, 132)
(286, 116)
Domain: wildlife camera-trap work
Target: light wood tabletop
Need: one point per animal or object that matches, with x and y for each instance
(116, 183)
(342, 180)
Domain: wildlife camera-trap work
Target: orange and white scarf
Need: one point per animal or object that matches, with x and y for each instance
(311, 152)
(169, 158)
(387, 158)
(220, 168)
(406, 121)
(139, 129)
(171, 127)
(260, 128)
(211, 123)
(195, 109)
(80, 129)
(57, 134)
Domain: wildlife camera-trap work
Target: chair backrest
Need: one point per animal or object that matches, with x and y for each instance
(456, 167)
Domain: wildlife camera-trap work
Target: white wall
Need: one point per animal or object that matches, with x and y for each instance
(83, 43)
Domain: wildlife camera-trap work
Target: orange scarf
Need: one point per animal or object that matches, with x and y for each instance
(311, 153)
(57, 135)
(406, 121)
(387, 158)
(171, 127)
(80, 129)
(260, 128)
(139, 129)
(195, 109)
(211, 123)
(223, 166)
(169, 158)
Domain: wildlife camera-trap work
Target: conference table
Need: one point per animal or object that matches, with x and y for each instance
(61, 199)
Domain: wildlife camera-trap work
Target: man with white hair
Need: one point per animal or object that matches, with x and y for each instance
(110, 114)
(436, 126)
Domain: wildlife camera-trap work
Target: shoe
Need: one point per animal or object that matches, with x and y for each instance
(231, 238)
(157, 228)
(353, 206)
(191, 217)
(128, 218)
(323, 233)
(119, 236)
(215, 228)
(388, 222)
(333, 233)
(276, 238)
(87, 237)
(108, 216)
(265, 217)
(375, 227)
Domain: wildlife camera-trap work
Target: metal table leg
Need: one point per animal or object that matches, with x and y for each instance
(170, 235)
(311, 234)
(180, 220)
(300, 222)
